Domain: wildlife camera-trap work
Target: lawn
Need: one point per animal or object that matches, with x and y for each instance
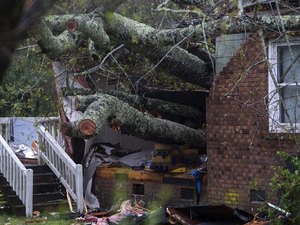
(58, 219)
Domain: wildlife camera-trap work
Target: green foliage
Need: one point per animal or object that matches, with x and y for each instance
(286, 182)
(59, 219)
(27, 89)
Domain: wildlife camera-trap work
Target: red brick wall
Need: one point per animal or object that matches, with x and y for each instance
(241, 151)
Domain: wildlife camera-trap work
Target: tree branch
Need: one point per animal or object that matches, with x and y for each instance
(188, 2)
(144, 104)
(109, 109)
(88, 24)
(54, 46)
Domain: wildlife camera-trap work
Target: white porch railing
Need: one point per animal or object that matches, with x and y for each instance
(18, 177)
(52, 125)
(69, 173)
(5, 128)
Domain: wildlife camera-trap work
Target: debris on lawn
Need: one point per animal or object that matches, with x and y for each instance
(129, 213)
(36, 220)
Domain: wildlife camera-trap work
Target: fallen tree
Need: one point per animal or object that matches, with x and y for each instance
(120, 116)
(100, 33)
(153, 106)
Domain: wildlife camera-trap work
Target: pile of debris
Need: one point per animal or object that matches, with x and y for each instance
(26, 153)
(129, 213)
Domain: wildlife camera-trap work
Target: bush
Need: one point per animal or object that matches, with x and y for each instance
(286, 182)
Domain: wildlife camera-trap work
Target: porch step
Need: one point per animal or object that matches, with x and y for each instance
(49, 197)
(6, 189)
(38, 198)
(2, 180)
(41, 188)
(5, 209)
(48, 192)
(44, 177)
(57, 205)
(38, 169)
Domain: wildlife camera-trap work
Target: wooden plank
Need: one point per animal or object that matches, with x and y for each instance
(143, 176)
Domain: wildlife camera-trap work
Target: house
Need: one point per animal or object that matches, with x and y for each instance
(247, 121)
(252, 112)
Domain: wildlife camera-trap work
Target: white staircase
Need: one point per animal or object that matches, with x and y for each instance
(51, 153)
(69, 173)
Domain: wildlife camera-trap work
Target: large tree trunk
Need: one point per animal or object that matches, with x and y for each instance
(162, 47)
(154, 106)
(158, 46)
(119, 115)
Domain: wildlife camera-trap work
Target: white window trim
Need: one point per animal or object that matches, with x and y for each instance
(273, 96)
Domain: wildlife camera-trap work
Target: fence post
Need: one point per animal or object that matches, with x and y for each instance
(79, 188)
(29, 192)
(39, 146)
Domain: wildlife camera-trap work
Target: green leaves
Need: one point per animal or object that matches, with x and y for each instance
(286, 182)
(27, 87)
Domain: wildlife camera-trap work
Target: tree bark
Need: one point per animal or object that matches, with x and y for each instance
(160, 46)
(109, 109)
(154, 106)
(170, 58)
(54, 46)
(90, 25)
(142, 39)
(189, 2)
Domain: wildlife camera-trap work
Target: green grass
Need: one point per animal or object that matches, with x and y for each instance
(61, 219)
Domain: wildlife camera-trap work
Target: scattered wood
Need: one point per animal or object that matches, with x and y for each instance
(70, 202)
(36, 220)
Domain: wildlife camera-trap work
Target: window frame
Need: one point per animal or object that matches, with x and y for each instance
(275, 126)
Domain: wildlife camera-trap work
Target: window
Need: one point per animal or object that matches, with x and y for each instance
(187, 193)
(138, 189)
(257, 195)
(284, 86)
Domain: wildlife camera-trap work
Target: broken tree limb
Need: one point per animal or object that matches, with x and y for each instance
(170, 58)
(154, 106)
(161, 46)
(109, 109)
(88, 24)
(54, 46)
(142, 39)
(189, 2)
